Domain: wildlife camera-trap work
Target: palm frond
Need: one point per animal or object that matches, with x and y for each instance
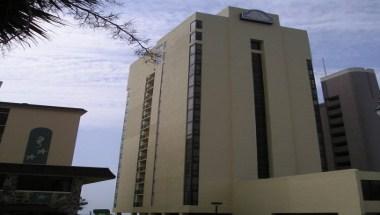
(21, 20)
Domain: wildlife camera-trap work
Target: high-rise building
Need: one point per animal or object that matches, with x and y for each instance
(351, 125)
(230, 99)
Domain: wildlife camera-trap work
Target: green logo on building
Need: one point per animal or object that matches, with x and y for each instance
(37, 149)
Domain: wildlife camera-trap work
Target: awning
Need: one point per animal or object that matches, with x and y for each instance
(87, 174)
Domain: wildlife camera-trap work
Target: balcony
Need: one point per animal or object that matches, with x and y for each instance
(140, 180)
(336, 121)
(342, 159)
(334, 113)
(337, 141)
(340, 149)
(139, 191)
(337, 130)
(333, 104)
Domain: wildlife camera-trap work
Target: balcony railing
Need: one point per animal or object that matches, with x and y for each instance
(35, 197)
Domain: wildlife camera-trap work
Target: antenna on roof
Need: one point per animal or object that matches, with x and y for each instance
(324, 66)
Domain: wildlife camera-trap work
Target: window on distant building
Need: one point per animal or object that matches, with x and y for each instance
(195, 36)
(371, 190)
(196, 24)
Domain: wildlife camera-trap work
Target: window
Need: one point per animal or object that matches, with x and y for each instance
(4, 112)
(256, 45)
(197, 59)
(339, 134)
(195, 49)
(195, 36)
(343, 153)
(260, 112)
(337, 125)
(190, 189)
(371, 190)
(196, 24)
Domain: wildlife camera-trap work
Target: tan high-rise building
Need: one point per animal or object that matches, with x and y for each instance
(231, 99)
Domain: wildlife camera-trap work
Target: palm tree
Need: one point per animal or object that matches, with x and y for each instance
(21, 21)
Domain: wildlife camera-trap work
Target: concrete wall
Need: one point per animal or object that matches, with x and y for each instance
(21, 120)
(332, 192)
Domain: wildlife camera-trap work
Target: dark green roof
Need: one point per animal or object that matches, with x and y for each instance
(88, 174)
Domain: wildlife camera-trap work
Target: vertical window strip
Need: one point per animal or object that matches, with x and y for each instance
(191, 177)
(260, 115)
(337, 133)
(317, 115)
(143, 142)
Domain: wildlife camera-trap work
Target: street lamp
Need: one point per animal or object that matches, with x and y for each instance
(216, 204)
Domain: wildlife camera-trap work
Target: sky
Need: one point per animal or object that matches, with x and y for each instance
(79, 67)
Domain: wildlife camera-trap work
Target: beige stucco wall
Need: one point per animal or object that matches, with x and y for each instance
(169, 165)
(228, 139)
(332, 192)
(290, 116)
(64, 125)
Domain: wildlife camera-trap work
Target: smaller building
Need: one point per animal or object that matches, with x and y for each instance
(38, 134)
(345, 192)
(37, 145)
(28, 189)
(351, 125)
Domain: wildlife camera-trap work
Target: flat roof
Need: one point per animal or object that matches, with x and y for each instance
(88, 174)
(347, 71)
(45, 107)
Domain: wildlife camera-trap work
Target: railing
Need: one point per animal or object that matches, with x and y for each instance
(35, 197)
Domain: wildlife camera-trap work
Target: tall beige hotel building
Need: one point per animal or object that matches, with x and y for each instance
(228, 118)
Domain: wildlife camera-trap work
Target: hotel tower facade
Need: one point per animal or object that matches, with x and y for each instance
(231, 101)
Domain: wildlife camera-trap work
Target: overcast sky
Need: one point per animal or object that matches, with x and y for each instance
(85, 69)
